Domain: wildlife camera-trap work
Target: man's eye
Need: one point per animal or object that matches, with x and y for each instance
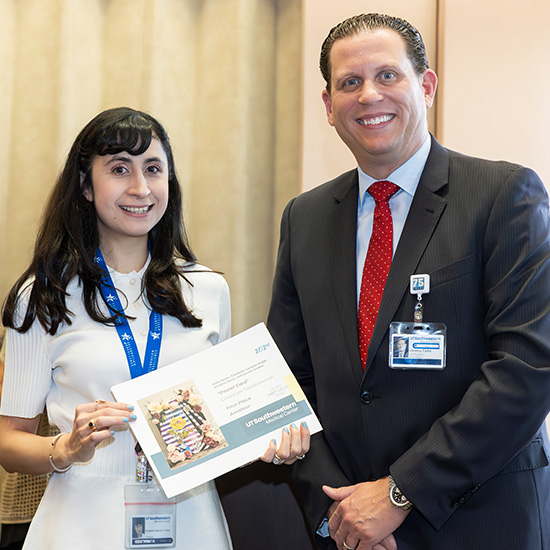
(351, 82)
(388, 76)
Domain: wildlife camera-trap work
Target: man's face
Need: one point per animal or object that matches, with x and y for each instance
(377, 102)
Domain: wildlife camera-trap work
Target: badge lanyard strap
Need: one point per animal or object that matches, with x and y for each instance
(154, 338)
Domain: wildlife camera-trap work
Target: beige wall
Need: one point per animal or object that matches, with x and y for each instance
(494, 80)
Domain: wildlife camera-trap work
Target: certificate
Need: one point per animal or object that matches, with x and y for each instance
(215, 411)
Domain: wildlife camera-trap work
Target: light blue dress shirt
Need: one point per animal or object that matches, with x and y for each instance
(407, 177)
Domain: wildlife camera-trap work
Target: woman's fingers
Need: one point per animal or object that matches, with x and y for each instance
(299, 443)
(93, 423)
(305, 437)
(100, 404)
(294, 445)
(270, 452)
(102, 415)
(106, 421)
(275, 454)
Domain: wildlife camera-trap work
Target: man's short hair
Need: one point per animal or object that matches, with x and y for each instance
(416, 51)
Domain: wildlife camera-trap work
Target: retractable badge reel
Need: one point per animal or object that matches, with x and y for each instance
(418, 345)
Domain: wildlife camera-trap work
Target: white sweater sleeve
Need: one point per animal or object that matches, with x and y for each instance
(28, 373)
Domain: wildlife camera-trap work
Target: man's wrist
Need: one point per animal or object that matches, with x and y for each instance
(397, 497)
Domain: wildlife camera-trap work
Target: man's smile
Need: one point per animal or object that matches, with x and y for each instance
(375, 120)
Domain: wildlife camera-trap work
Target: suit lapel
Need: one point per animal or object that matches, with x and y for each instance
(342, 221)
(424, 214)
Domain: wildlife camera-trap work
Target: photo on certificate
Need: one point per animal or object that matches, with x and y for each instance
(182, 424)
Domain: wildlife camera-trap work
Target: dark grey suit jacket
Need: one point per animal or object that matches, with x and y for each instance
(467, 444)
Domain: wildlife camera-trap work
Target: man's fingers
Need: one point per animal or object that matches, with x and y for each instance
(338, 493)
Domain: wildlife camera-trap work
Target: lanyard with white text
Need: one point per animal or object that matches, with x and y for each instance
(154, 338)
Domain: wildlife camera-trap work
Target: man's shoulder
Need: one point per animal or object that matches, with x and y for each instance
(492, 173)
(458, 158)
(337, 188)
(443, 158)
(471, 172)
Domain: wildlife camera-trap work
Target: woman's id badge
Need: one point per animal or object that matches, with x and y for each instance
(418, 345)
(150, 517)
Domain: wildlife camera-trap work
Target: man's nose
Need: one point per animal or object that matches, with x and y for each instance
(369, 93)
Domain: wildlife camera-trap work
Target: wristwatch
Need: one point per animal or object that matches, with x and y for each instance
(398, 498)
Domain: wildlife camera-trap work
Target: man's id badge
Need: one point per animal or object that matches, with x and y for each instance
(150, 517)
(418, 345)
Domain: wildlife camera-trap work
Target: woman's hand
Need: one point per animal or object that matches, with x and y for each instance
(93, 423)
(294, 445)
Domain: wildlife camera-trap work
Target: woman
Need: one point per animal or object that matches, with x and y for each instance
(111, 252)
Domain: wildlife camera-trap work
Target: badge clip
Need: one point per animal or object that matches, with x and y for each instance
(419, 284)
(418, 345)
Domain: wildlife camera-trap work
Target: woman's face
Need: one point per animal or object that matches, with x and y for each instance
(129, 193)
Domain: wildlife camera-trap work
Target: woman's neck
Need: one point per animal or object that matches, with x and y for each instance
(125, 256)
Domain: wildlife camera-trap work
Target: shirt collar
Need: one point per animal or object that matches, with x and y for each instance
(406, 176)
(117, 276)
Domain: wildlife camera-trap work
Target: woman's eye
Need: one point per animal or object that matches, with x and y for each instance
(120, 169)
(153, 169)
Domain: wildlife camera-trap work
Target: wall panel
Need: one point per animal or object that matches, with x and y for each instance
(495, 80)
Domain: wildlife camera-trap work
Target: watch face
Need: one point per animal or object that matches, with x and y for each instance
(399, 498)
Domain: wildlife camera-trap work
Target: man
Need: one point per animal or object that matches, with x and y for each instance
(400, 347)
(461, 432)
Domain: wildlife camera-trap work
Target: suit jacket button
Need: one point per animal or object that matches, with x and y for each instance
(366, 397)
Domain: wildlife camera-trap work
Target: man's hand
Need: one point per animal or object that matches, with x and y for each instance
(363, 517)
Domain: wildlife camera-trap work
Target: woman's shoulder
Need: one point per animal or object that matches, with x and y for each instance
(194, 268)
(199, 275)
(21, 297)
(26, 287)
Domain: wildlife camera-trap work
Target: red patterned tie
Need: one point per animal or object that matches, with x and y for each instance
(377, 263)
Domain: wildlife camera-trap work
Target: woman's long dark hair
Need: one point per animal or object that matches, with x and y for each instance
(68, 235)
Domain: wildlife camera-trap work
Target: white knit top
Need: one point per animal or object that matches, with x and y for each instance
(80, 364)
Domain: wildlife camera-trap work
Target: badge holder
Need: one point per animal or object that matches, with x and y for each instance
(418, 345)
(150, 517)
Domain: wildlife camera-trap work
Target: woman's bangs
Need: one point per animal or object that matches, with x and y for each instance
(133, 138)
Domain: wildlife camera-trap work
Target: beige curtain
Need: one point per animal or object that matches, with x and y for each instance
(223, 76)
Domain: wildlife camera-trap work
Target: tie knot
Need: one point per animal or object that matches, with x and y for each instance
(382, 191)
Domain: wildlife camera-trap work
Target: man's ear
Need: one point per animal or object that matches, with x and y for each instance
(327, 100)
(429, 83)
(86, 191)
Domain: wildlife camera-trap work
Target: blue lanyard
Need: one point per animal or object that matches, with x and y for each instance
(154, 338)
